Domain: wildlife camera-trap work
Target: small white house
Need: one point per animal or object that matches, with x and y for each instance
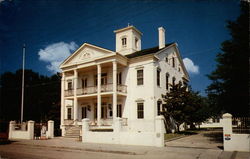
(128, 83)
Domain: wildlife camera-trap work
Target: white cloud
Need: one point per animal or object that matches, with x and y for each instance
(55, 54)
(190, 66)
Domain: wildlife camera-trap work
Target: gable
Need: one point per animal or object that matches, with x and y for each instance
(173, 52)
(86, 53)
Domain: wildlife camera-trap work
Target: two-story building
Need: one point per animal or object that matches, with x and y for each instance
(101, 84)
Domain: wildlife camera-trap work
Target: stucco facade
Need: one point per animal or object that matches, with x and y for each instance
(128, 83)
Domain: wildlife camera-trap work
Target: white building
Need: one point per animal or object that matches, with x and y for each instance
(101, 84)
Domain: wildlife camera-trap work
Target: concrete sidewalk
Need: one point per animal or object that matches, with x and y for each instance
(135, 151)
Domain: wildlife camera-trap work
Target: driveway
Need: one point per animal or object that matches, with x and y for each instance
(203, 140)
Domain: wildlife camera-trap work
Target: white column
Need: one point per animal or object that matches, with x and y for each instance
(62, 98)
(11, 128)
(75, 98)
(159, 130)
(99, 98)
(227, 132)
(114, 91)
(31, 129)
(50, 134)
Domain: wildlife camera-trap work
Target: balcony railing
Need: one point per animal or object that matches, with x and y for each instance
(93, 90)
(69, 92)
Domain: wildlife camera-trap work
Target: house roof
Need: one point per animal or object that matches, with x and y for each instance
(146, 51)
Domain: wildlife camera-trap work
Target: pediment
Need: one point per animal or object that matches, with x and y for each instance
(86, 53)
(173, 51)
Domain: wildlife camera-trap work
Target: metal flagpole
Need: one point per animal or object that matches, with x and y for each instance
(23, 84)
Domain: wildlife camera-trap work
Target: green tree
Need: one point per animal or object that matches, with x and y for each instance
(182, 106)
(42, 93)
(229, 90)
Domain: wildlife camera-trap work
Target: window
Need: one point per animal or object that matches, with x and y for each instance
(84, 112)
(124, 42)
(69, 114)
(70, 85)
(119, 110)
(173, 61)
(140, 77)
(159, 108)
(110, 110)
(179, 69)
(158, 77)
(166, 59)
(136, 43)
(140, 111)
(167, 78)
(103, 79)
(84, 83)
(173, 81)
(119, 78)
(104, 112)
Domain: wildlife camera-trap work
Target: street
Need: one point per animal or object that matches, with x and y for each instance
(205, 145)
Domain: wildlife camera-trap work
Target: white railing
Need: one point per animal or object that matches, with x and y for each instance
(93, 89)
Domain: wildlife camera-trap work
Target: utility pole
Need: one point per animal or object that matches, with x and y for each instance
(23, 84)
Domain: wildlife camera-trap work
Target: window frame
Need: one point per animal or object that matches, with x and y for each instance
(140, 112)
(158, 77)
(140, 77)
(84, 112)
(167, 81)
(69, 113)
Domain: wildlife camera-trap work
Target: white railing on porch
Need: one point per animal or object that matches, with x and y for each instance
(93, 89)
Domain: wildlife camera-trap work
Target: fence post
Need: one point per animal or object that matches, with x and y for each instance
(50, 129)
(118, 124)
(31, 129)
(227, 130)
(11, 128)
(23, 126)
(159, 129)
(85, 128)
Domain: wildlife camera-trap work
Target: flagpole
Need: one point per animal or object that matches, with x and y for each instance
(23, 83)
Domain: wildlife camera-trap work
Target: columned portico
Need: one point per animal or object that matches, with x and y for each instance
(75, 97)
(99, 98)
(114, 90)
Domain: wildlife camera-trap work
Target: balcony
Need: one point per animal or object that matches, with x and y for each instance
(93, 89)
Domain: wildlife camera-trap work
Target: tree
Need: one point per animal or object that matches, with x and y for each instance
(229, 90)
(182, 106)
(42, 93)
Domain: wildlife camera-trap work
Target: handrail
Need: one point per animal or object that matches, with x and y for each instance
(104, 88)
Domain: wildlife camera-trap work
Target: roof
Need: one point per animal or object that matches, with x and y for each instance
(127, 28)
(146, 51)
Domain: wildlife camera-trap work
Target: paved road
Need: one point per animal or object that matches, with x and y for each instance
(201, 146)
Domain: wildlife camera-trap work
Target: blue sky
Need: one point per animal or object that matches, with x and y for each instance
(52, 29)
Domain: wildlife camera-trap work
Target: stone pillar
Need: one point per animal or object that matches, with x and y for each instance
(31, 129)
(11, 128)
(99, 98)
(85, 125)
(75, 97)
(50, 129)
(62, 99)
(117, 124)
(227, 131)
(159, 130)
(23, 126)
(114, 90)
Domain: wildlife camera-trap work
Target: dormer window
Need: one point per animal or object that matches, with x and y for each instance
(124, 42)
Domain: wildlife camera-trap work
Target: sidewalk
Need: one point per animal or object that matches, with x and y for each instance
(142, 151)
